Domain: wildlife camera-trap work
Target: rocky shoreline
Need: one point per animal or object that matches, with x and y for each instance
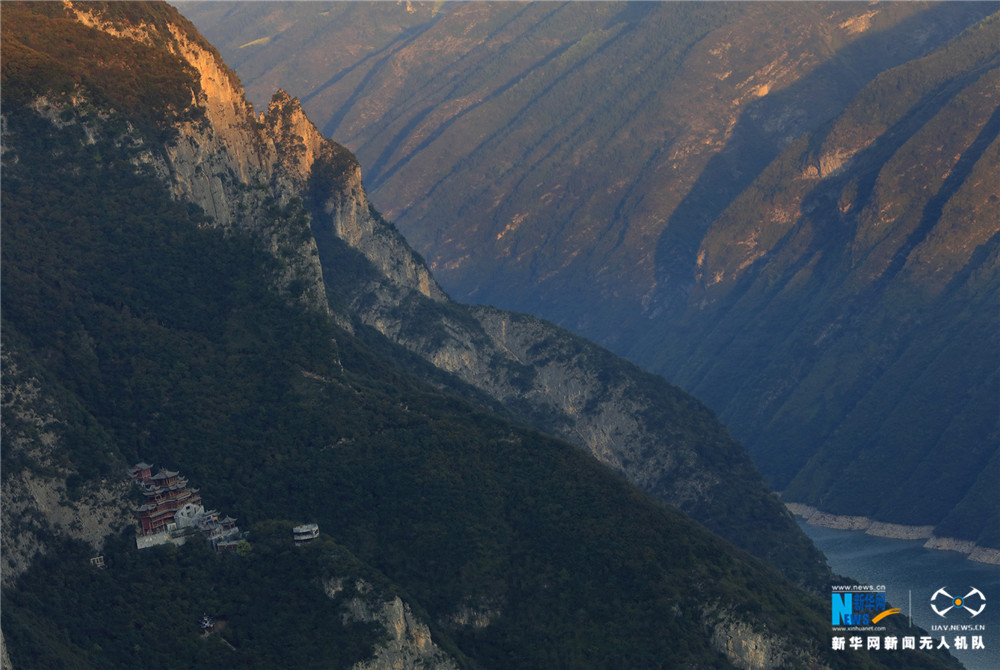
(897, 531)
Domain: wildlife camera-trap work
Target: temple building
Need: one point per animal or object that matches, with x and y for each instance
(165, 493)
(172, 511)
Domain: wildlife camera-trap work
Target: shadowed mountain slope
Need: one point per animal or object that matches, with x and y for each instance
(164, 300)
(786, 209)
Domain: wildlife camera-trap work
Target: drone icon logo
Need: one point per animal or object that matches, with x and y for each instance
(948, 602)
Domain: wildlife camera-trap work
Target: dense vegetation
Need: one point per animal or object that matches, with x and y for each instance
(160, 334)
(143, 609)
(50, 54)
(154, 335)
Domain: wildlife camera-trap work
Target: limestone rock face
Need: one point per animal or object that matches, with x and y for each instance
(634, 422)
(4, 658)
(407, 641)
(751, 649)
(38, 501)
(343, 211)
(233, 165)
(248, 174)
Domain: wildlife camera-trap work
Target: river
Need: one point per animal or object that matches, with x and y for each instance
(912, 575)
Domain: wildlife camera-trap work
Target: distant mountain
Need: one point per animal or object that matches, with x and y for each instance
(861, 270)
(188, 283)
(789, 212)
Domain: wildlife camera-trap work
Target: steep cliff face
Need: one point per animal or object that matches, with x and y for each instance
(41, 496)
(233, 165)
(657, 436)
(342, 211)
(406, 641)
(749, 648)
(789, 212)
(141, 325)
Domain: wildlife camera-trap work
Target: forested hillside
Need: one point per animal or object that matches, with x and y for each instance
(789, 210)
(137, 326)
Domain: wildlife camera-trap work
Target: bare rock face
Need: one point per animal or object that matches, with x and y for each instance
(752, 649)
(4, 658)
(634, 422)
(38, 501)
(42, 506)
(247, 174)
(233, 165)
(343, 211)
(407, 641)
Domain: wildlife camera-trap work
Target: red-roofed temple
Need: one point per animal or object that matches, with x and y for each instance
(165, 493)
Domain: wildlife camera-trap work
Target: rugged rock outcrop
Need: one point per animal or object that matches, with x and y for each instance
(791, 211)
(44, 497)
(4, 657)
(657, 436)
(342, 211)
(406, 642)
(747, 648)
(239, 168)
(235, 166)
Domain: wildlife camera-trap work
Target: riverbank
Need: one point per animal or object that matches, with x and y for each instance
(816, 517)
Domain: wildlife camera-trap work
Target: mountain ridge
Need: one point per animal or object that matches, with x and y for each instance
(523, 196)
(152, 329)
